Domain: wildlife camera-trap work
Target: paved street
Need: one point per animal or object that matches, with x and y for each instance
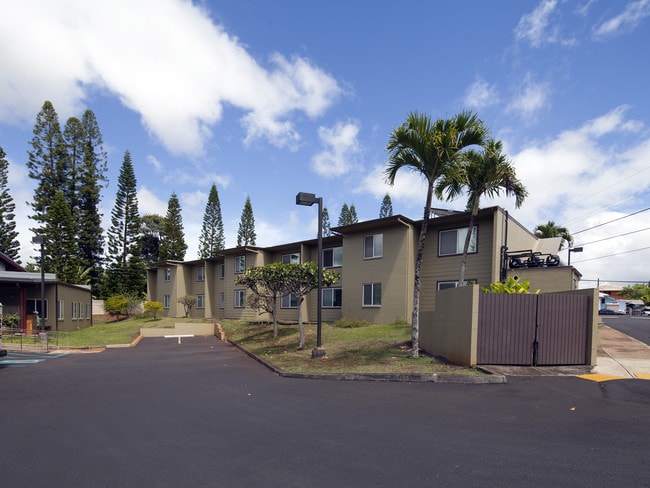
(634, 326)
(202, 413)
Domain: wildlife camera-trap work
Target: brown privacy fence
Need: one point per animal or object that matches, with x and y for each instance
(550, 329)
(471, 327)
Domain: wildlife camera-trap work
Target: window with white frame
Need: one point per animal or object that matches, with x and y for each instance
(168, 274)
(240, 298)
(333, 257)
(332, 297)
(240, 264)
(443, 285)
(288, 301)
(291, 258)
(222, 273)
(200, 273)
(34, 305)
(200, 301)
(222, 301)
(372, 294)
(73, 309)
(60, 307)
(373, 246)
(166, 301)
(88, 310)
(452, 241)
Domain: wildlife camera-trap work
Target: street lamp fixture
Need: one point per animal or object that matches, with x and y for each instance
(308, 199)
(573, 249)
(41, 241)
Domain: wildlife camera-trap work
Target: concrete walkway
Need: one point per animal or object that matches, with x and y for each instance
(620, 356)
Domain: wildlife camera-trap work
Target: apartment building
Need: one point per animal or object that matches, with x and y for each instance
(376, 261)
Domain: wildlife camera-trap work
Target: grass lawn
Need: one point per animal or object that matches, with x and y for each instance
(365, 349)
(361, 349)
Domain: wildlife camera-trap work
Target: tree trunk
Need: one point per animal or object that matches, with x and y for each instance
(468, 238)
(415, 318)
(300, 327)
(275, 320)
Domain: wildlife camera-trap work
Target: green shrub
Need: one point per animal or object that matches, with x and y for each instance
(152, 308)
(117, 305)
(11, 320)
(351, 323)
(510, 286)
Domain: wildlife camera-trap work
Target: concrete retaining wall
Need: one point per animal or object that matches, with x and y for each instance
(197, 329)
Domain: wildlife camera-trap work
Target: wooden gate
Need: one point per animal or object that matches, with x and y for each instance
(532, 329)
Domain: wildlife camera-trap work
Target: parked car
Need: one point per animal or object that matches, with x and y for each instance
(646, 311)
(606, 311)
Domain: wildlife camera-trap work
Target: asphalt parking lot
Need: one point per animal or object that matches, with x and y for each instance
(202, 413)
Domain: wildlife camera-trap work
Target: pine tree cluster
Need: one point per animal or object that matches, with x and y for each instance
(70, 167)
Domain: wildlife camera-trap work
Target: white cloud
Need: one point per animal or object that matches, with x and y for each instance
(153, 161)
(149, 203)
(530, 97)
(533, 26)
(480, 95)
(631, 16)
(409, 188)
(341, 148)
(164, 59)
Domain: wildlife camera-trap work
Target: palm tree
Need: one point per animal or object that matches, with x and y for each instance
(480, 173)
(549, 229)
(429, 148)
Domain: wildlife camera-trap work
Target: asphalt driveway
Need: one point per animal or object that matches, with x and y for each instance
(202, 413)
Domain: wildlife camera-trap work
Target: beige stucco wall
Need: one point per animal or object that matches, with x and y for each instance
(451, 330)
(548, 280)
(394, 270)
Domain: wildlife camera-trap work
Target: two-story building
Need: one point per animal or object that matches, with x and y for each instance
(376, 261)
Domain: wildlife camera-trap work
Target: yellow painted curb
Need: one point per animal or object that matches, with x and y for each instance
(600, 377)
(642, 376)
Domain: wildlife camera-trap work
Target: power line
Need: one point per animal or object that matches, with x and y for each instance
(614, 237)
(615, 220)
(612, 255)
(608, 188)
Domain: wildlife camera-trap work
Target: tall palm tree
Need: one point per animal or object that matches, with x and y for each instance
(429, 148)
(550, 229)
(479, 173)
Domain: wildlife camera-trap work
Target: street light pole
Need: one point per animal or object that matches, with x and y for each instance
(308, 199)
(572, 249)
(41, 241)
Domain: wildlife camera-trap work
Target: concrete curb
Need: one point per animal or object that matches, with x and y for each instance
(461, 379)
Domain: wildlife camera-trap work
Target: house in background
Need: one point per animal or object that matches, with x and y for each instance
(376, 261)
(67, 307)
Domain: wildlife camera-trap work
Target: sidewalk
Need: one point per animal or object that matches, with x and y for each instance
(621, 356)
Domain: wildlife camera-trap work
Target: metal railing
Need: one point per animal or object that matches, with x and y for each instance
(13, 338)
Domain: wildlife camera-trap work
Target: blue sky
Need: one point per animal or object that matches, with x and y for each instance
(271, 98)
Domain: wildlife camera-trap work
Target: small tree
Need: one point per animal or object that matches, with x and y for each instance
(267, 283)
(117, 305)
(152, 308)
(301, 279)
(188, 301)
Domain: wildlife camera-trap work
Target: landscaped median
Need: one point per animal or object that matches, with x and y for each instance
(363, 352)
